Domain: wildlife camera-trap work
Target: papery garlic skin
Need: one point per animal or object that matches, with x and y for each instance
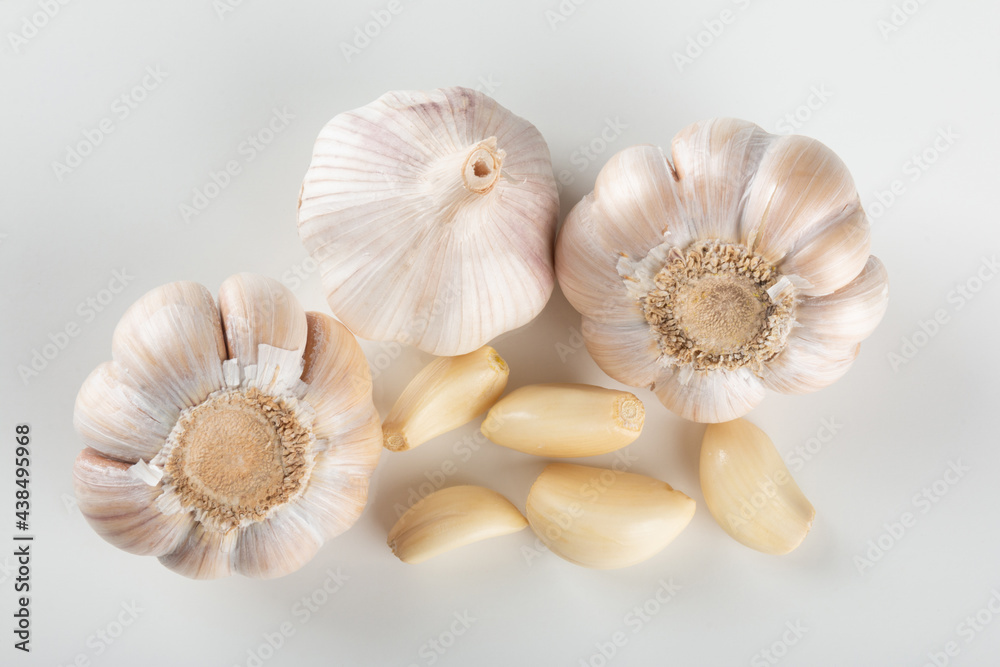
(749, 490)
(432, 216)
(451, 518)
(605, 519)
(741, 264)
(226, 439)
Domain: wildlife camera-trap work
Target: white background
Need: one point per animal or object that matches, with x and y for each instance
(885, 97)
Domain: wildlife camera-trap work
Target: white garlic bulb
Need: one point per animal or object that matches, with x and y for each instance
(226, 438)
(432, 216)
(740, 265)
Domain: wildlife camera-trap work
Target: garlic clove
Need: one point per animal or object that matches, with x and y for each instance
(701, 151)
(257, 310)
(340, 383)
(627, 353)
(851, 313)
(420, 236)
(447, 393)
(833, 257)
(605, 519)
(118, 420)
(451, 518)
(346, 425)
(800, 187)
(121, 507)
(565, 420)
(276, 546)
(806, 366)
(749, 490)
(338, 489)
(710, 396)
(205, 554)
(170, 344)
(630, 191)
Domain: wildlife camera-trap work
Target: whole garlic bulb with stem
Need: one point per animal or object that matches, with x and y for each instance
(741, 264)
(229, 438)
(432, 216)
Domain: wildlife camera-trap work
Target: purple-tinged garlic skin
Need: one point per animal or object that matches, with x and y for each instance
(432, 216)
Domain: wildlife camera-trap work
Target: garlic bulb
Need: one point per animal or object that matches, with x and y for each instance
(605, 519)
(432, 217)
(451, 518)
(229, 438)
(749, 490)
(447, 393)
(740, 266)
(565, 420)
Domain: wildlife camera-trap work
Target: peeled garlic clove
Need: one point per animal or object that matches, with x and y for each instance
(451, 518)
(449, 392)
(432, 216)
(749, 490)
(602, 518)
(565, 420)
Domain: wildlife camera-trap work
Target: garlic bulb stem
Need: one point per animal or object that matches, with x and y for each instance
(482, 166)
